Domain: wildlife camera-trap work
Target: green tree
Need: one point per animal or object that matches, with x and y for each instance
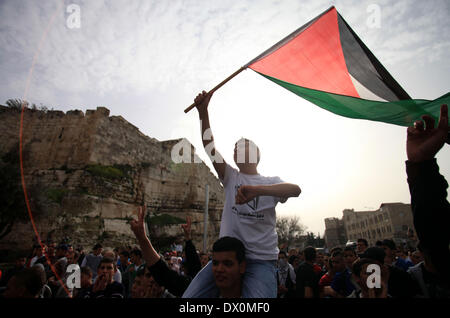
(289, 230)
(12, 202)
(16, 103)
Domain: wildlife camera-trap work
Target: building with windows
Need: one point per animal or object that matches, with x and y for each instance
(334, 232)
(390, 221)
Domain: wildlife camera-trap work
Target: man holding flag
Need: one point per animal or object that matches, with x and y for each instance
(248, 214)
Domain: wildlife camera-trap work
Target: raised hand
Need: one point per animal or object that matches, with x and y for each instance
(202, 101)
(100, 283)
(245, 194)
(424, 142)
(137, 226)
(187, 228)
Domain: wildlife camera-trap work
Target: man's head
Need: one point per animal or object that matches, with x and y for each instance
(20, 261)
(72, 257)
(336, 249)
(292, 251)
(319, 258)
(310, 254)
(135, 256)
(40, 251)
(24, 284)
(375, 253)
(97, 249)
(246, 153)
(282, 259)
(390, 249)
(86, 277)
(51, 249)
(349, 256)
(61, 250)
(294, 260)
(361, 245)
(228, 263)
(337, 262)
(107, 268)
(124, 256)
(137, 290)
(360, 274)
(204, 259)
(326, 261)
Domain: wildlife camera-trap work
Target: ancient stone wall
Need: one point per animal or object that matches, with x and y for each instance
(86, 175)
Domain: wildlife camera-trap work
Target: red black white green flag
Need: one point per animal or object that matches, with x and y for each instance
(326, 63)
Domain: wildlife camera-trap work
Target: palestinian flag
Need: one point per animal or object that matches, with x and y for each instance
(326, 63)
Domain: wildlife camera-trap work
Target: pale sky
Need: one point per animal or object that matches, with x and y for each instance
(147, 60)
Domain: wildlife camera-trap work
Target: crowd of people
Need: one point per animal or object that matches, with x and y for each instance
(246, 261)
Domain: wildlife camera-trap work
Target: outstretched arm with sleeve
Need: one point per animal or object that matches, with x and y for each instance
(163, 275)
(283, 191)
(428, 189)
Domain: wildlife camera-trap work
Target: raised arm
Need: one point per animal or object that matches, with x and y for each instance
(202, 102)
(163, 275)
(428, 188)
(283, 191)
(148, 252)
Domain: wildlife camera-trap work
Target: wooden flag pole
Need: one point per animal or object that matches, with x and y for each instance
(219, 85)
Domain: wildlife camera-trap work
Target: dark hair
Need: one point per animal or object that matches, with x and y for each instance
(283, 252)
(378, 243)
(125, 253)
(374, 253)
(351, 249)
(292, 259)
(107, 260)
(358, 265)
(338, 253)
(335, 249)
(364, 241)
(86, 271)
(31, 279)
(63, 247)
(230, 244)
(310, 253)
(97, 246)
(136, 252)
(389, 243)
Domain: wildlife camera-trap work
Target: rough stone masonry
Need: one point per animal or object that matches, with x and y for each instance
(87, 174)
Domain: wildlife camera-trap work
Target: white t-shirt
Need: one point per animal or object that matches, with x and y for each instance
(253, 222)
